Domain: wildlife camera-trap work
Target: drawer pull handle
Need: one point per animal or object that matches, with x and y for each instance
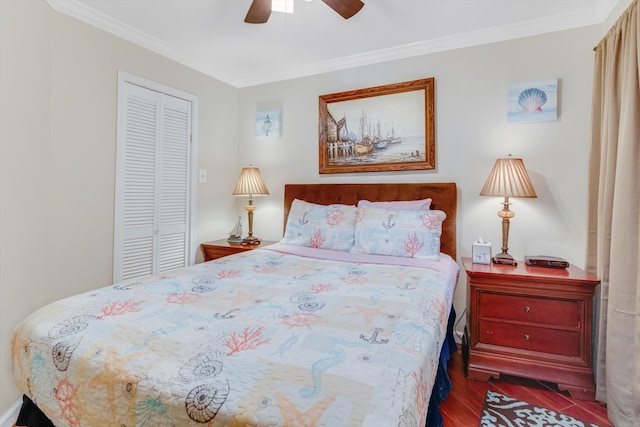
(527, 308)
(526, 337)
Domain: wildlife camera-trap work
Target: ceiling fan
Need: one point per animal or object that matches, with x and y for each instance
(260, 10)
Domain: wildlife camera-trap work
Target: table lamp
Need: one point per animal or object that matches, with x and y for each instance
(508, 178)
(250, 184)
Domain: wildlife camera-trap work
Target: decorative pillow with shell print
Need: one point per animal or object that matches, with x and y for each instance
(321, 226)
(401, 233)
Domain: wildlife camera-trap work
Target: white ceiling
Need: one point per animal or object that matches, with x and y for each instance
(211, 36)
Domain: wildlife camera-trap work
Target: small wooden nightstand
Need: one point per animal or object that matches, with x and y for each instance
(532, 322)
(221, 248)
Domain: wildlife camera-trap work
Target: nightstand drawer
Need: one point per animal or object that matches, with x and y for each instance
(221, 248)
(544, 340)
(215, 252)
(554, 312)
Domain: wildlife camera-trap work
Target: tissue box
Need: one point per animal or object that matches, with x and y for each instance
(481, 253)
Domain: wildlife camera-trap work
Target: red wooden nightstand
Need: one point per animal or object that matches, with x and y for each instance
(532, 322)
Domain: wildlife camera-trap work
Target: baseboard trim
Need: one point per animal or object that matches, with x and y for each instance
(9, 418)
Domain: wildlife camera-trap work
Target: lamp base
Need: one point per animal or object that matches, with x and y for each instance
(504, 259)
(250, 240)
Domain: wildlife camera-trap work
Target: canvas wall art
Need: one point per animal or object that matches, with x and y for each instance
(268, 125)
(533, 101)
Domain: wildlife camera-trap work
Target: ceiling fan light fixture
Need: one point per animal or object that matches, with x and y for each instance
(260, 10)
(285, 6)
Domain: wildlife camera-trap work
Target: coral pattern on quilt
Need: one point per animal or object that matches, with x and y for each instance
(261, 338)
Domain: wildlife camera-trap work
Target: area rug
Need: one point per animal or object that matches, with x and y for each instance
(504, 411)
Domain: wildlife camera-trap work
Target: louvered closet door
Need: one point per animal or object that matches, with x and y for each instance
(173, 177)
(152, 183)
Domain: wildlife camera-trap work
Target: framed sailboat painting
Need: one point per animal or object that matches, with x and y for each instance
(383, 128)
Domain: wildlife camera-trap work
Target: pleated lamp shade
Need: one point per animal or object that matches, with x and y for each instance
(508, 178)
(250, 183)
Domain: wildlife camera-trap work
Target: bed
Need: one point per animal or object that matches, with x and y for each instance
(310, 331)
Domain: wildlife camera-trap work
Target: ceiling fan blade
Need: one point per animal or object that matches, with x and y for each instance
(345, 8)
(259, 12)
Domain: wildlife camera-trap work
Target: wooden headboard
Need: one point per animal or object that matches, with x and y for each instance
(444, 197)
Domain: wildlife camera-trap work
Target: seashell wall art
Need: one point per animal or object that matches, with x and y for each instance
(533, 101)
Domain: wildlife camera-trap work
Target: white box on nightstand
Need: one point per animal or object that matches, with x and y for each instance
(481, 252)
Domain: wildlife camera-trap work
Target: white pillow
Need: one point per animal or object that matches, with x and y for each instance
(321, 226)
(396, 232)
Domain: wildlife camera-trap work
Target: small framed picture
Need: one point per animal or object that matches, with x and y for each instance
(268, 125)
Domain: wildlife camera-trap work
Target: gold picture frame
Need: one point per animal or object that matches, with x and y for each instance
(382, 128)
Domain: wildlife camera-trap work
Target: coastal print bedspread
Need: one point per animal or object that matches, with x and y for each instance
(261, 338)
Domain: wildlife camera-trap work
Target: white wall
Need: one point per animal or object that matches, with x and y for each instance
(58, 86)
(471, 132)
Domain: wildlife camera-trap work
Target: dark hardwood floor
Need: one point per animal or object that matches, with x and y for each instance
(463, 407)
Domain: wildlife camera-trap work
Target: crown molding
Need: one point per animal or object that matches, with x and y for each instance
(606, 7)
(591, 16)
(97, 19)
(458, 41)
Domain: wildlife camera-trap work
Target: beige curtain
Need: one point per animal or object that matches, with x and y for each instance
(614, 214)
